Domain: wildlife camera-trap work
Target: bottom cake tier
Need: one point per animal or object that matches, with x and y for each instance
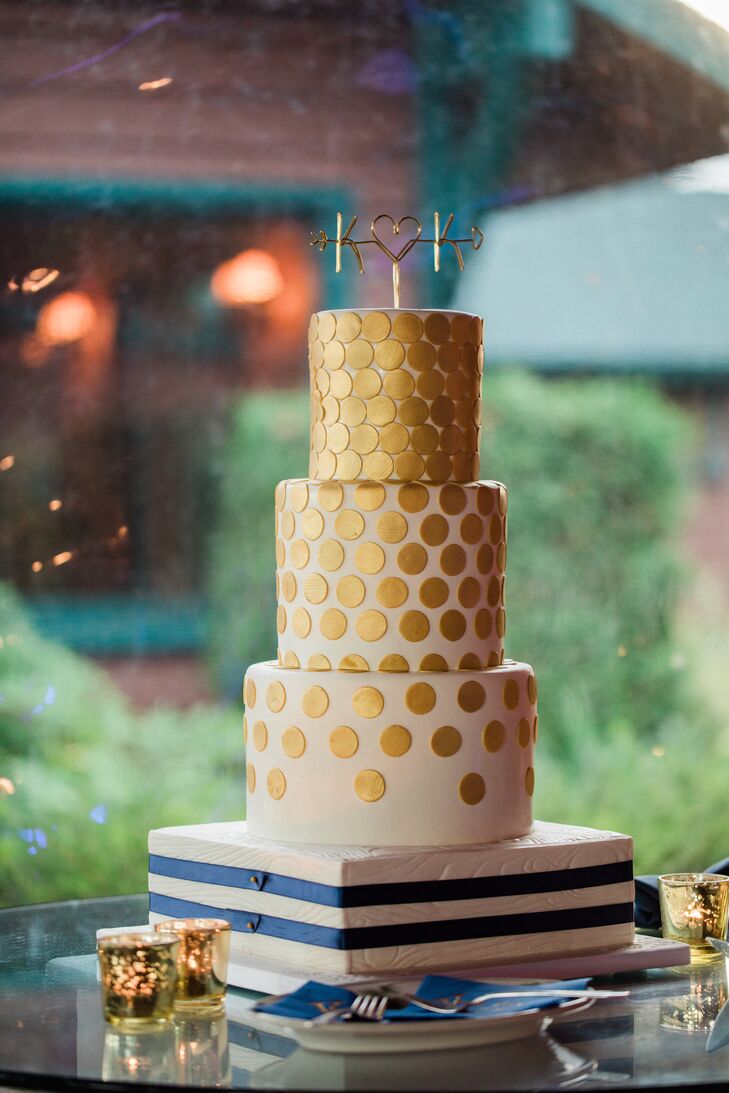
(557, 891)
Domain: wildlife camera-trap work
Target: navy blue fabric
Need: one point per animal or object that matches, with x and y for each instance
(409, 933)
(378, 895)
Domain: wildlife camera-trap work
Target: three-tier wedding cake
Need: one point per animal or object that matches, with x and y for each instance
(390, 748)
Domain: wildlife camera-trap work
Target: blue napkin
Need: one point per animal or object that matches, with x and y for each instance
(647, 905)
(314, 999)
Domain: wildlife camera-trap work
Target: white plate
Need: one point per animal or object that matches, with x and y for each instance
(365, 1037)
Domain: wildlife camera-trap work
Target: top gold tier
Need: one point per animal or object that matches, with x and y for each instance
(395, 395)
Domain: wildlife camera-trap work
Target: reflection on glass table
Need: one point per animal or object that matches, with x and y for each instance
(52, 1029)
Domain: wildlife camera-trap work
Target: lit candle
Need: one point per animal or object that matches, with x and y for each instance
(202, 960)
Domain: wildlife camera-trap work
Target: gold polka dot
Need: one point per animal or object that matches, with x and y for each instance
(414, 626)
(433, 592)
(250, 692)
(493, 736)
(349, 466)
(464, 412)
(495, 659)
(318, 663)
(460, 327)
(280, 553)
(369, 496)
(451, 439)
(437, 327)
(349, 325)
(485, 558)
(452, 499)
(340, 384)
(471, 789)
(367, 383)
(452, 625)
(421, 356)
(276, 697)
(276, 783)
(501, 557)
(453, 559)
(316, 588)
(523, 733)
(353, 410)
(392, 592)
(529, 781)
(359, 354)
(493, 593)
(293, 742)
(312, 523)
(471, 696)
(438, 466)
(299, 496)
(495, 529)
(315, 702)
(370, 558)
(333, 355)
(392, 527)
(378, 465)
(449, 356)
(330, 496)
(501, 622)
(485, 499)
(430, 385)
(442, 410)
(469, 592)
(394, 438)
(535, 730)
(301, 622)
(413, 411)
(350, 591)
(337, 437)
(412, 497)
(395, 740)
(287, 524)
(532, 689)
(250, 778)
(349, 524)
(381, 410)
(299, 553)
(434, 529)
(291, 660)
(407, 326)
(400, 384)
(333, 623)
(371, 625)
(409, 466)
(463, 469)
(260, 735)
(289, 586)
(327, 326)
(245, 729)
(352, 662)
(343, 742)
(375, 326)
(434, 662)
(483, 623)
(279, 495)
(470, 662)
(471, 528)
(503, 500)
(411, 558)
(393, 662)
(281, 618)
(420, 698)
(364, 439)
(455, 385)
(445, 741)
(369, 785)
(326, 465)
(510, 694)
(424, 439)
(367, 702)
(331, 555)
(389, 354)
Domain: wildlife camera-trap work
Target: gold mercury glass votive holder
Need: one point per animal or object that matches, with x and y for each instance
(138, 977)
(202, 960)
(694, 907)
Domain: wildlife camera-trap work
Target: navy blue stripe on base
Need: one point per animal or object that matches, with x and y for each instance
(377, 895)
(409, 933)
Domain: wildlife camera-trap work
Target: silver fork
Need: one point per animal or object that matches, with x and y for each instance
(433, 1007)
(365, 1007)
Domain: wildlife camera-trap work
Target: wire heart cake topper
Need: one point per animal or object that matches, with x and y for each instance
(440, 238)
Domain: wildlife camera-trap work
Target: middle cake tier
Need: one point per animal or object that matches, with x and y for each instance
(390, 759)
(390, 576)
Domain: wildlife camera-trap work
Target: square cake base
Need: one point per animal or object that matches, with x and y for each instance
(560, 891)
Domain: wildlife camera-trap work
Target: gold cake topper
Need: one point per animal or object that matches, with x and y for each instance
(440, 239)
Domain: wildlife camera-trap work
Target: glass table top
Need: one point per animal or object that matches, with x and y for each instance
(52, 1031)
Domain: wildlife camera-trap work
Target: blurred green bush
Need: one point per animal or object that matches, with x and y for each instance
(83, 777)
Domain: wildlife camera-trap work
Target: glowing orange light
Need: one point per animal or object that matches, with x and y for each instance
(37, 566)
(66, 319)
(123, 531)
(38, 279)
(252, 277)
(63, 557)
(6, 786)
(7, 462)
(55, 504)
(154, 85)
